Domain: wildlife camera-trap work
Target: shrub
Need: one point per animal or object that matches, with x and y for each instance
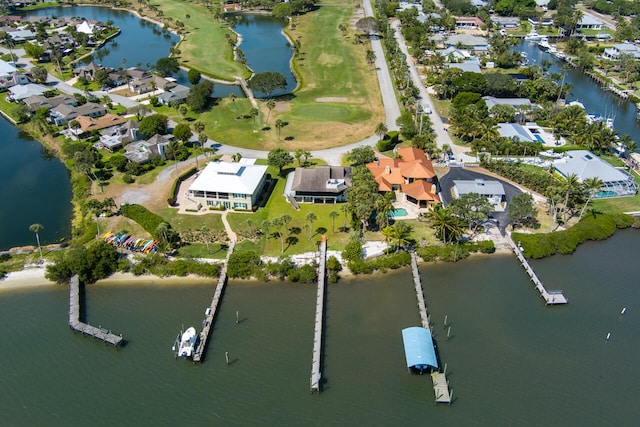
(382, 263)
(147, 220)
(243, 264)
(176, 185)
(304, 274)
(592, 227)
(128, 179)
(455, 252)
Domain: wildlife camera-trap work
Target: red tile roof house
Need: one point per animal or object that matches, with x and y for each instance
(411, 176)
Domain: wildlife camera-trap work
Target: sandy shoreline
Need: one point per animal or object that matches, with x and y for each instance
(34, 277)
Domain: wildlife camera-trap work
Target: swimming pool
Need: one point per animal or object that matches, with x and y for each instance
(398, 212)
(539, 138)
(606, 194)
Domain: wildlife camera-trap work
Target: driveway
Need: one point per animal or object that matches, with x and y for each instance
(446, 183)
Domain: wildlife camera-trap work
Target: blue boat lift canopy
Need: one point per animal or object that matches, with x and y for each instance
(418, 348)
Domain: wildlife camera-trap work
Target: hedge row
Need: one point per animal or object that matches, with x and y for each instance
(176, 185)
(592, 227)
(455, 252)
(160, 266)
(147, 220)
(389, 141)
(382, 263)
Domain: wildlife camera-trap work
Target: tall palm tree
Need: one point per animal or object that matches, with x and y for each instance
(384, 207)
(277, 223)
(205, 234)
(311, 217)
(254, 112)
(279, 125)
(591, 185)
(37, 228)
(333, 215)
(570, 186)
(271, 104)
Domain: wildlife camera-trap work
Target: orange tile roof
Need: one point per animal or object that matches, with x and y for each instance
(88, 124)
(421, 190)
(412, 164)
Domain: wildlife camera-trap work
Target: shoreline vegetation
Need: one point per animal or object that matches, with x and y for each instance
(534, 244)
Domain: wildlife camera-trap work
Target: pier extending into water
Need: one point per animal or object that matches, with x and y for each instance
(75, 324)
(316, 375)
(550, 297)
(210, 312)
(440, 383)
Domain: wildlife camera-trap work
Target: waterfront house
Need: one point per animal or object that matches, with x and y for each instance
(411, 177)
(87, 71)
(228, 185)
(584, 164)
(541, 22)
(469, 22)
(506, 22)
(322, 184)
(6, 69)
(492, 101)
(177, 93)
(64, 113)
(20, 92)
(492, 190)
(34, 102)
(516, 132)
(475, 44)
(142, 152)
(466, 66)
(617, 50)
(589, 22)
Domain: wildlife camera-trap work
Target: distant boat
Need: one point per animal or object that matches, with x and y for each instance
(543, 44)
(187, 342)
(533, 36)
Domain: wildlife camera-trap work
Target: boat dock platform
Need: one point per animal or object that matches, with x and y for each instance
(441, 387)
(316, 375)
(440, 384)
(210, 312)
(422, 307)
(550, 297)
(75, 324)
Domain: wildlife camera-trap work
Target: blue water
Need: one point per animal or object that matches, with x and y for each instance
(398, 212)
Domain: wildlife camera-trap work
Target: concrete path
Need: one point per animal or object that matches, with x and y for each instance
(232, 235)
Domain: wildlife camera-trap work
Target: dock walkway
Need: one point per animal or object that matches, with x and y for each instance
(422, 307)
(550, 297)
(440, 384)
(210, 313)
(86, 329)
(316, 375)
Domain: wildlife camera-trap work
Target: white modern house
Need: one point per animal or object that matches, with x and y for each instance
(491, 189)
(517, 132)
(614, 52)
(584, 164)
(589, 22)
(229, 185)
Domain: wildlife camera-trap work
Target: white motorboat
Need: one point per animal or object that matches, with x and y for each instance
(187, 342)
(533, 36)
(543, 44)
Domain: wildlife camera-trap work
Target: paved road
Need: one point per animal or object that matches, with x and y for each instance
(442, 137)
(446, 184)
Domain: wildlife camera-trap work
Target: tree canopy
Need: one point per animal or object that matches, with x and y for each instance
(199, 96)
(167, 66)
(92, 263)
(154, 124)
(267, 82)
(361, 156)
(279, 157)
(182, 132)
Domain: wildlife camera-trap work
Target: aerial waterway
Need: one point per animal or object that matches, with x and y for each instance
(587, 91)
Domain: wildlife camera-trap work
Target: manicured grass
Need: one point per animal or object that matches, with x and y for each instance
(619, 204)
(204, 47)
(181, 222)
(199, 250)
(7, 107)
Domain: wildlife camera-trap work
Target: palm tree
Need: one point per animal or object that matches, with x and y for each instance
(250, 224)
(447, 225)
(370, 57)
(570, 186)
(333, 215)
(277, 223)
(271, 104)
(279, 125)
(265, 226)
(345, 211)
(311, 217)
(286, 219)
(384, 207)
(109, 204)
(254, 112)
(591, 185)
(37, 228)
(205, 234)
(381, 130)
(402, 230)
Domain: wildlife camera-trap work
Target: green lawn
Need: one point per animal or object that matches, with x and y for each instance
(619, 204)
(204, 47)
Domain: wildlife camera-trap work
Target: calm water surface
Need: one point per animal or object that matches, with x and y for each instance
(511, 360)
(35, 189)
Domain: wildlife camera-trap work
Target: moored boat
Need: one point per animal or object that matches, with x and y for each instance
(187, 342)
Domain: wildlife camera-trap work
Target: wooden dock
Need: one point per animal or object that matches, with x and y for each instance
(550, 297)
(422, 306)
(316, 375)
(210, 312)
(441, 387)
(75, 324)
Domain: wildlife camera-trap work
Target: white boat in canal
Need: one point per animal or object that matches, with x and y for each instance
(187, 342)
(533, 36)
